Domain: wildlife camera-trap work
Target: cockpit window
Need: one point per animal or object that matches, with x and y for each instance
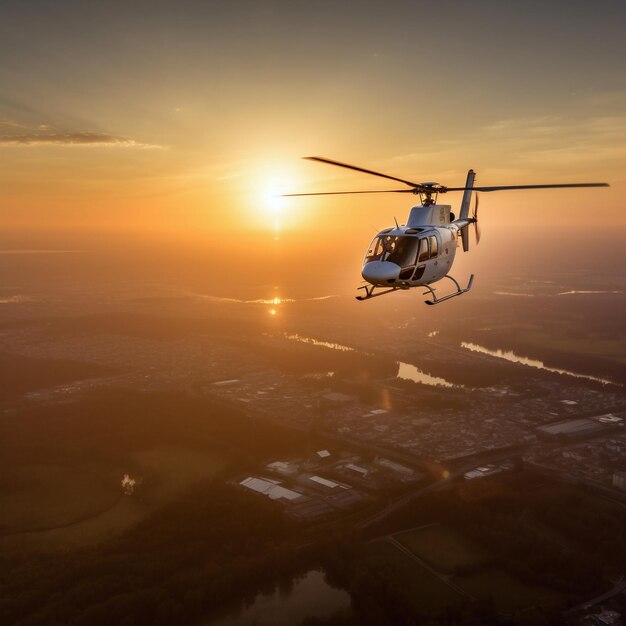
(375, 250)
(399, 250)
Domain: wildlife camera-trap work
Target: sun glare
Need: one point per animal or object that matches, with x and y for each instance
(273, 203)
(273, 206)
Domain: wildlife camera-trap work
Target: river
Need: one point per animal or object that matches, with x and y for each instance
(406, 371)
(509, 355)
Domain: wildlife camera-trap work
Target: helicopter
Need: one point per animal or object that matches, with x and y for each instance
(421, 252)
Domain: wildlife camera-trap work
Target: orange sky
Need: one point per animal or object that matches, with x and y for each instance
(162, 117)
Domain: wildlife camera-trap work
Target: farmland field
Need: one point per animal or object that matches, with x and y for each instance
(56, 507)
(40, 497)
(426, 591)
(164, 472)
(442, 548)
(446, 549)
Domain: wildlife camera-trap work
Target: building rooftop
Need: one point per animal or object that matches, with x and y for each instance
(270, 488)
(573, 427)
(327, 483)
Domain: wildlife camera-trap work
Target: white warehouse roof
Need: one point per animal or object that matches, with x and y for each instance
(323, 481)
(270, 489)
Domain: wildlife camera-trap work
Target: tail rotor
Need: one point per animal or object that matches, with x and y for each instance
(475, 220)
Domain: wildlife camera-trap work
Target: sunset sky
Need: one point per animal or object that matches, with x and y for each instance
(189, 116)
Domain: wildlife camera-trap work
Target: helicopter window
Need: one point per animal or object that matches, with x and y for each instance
(433, 247)
(399, 250)
(419, 272)
(402, 251)
(375, 250)
(423, 255)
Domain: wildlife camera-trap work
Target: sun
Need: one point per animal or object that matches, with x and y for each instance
(273, 206)
(273, 202)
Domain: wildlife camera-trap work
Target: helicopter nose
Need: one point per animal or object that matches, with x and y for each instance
(380, 272)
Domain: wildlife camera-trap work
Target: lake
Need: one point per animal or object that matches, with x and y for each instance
(310, 596)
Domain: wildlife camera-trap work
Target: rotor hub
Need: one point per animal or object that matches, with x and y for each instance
(427, 190)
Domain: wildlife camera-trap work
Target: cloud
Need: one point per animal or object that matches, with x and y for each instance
(13, 133)
(536, 125)
(9, 125)
(71, 139)
(598, 127)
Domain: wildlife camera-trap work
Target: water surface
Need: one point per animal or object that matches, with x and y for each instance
(406, 371)
(310, 596)
(509, 355)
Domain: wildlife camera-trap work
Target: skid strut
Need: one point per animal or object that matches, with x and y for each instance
(370, 289)
(369, 292)
(458, 291)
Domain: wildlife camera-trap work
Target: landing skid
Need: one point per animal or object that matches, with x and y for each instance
(369, 292)
(458, 291)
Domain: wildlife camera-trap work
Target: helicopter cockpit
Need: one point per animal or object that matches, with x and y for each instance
(399, 250)
(403, 251)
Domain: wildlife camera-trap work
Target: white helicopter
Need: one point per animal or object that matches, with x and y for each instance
(421, 252)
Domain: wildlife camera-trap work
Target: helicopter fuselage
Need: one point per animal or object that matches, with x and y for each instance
(419, 253)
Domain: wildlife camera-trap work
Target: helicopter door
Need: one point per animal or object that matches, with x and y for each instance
(422, 256)
(434, 270)
(404, 254)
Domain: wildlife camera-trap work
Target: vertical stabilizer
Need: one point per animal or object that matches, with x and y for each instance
(467, 196)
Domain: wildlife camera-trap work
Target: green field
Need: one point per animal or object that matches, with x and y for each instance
(445, 549)
(164, 472)
(47, 507)
(39, 497)
(509, 594)
(442, 548)
(425, 590)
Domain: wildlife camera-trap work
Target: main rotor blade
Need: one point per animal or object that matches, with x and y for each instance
(504, 187)
(340, 193)
(361, 169)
